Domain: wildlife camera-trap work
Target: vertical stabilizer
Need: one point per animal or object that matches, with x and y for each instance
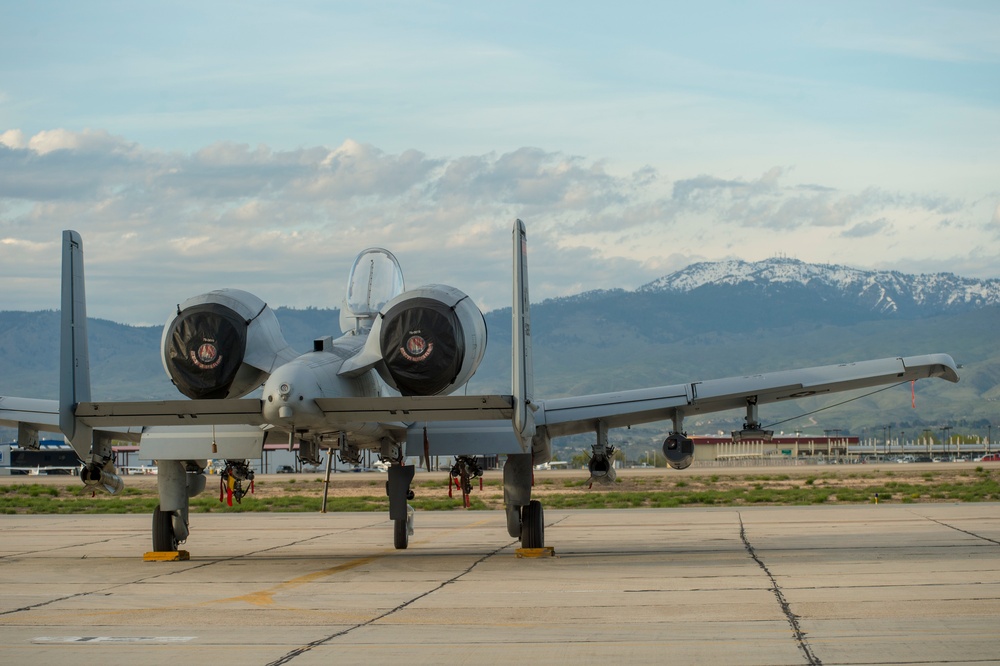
(74, 357)
(522, 377)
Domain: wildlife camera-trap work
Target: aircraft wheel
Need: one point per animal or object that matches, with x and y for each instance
(532, 525)
(163, 531)
(400, 535)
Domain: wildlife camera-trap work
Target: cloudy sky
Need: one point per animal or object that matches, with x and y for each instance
(260, 145)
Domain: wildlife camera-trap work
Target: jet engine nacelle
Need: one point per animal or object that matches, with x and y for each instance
(222, 344)
(431, 340)
(679, 451)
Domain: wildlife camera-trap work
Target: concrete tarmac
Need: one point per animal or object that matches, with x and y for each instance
(886, 584)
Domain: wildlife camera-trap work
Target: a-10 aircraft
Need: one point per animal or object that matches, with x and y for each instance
(387, 385)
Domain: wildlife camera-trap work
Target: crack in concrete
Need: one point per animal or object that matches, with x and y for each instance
(322, 641)
(793, 619)
(959, 529)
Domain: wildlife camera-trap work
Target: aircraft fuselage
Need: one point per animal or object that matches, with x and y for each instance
(290, 393)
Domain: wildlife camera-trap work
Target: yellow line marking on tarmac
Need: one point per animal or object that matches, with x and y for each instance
(266, 597)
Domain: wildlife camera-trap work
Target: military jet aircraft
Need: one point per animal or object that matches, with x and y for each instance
(387, 384)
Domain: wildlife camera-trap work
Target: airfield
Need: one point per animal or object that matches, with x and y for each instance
(859, 584)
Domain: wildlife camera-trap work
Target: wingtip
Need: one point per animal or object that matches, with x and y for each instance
(947, 368)
(942, 366)
(950, 370)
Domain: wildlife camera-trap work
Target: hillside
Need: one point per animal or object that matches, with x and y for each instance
(711, 320)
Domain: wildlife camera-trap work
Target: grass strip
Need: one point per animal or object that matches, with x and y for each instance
(978, 486)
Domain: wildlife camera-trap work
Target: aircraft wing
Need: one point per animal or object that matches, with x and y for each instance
(569, 416)
(31, 416)
(39, 414)
(247, 411)
(560, 416)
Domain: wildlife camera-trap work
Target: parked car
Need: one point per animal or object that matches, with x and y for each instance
(285, 469)
(990, 457)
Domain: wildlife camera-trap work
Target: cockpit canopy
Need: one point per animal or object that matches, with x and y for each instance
(376, 279)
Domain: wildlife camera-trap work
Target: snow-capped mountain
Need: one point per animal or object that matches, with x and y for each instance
(881, 291)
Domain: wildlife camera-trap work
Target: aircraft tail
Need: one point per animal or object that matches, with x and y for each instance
(74, 356)
(522, 376)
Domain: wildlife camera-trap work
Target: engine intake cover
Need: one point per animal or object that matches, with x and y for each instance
(432, 340)
(222, 344)
(205, 349)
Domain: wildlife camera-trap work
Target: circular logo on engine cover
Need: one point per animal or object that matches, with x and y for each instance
(416, 348)
(207, 356)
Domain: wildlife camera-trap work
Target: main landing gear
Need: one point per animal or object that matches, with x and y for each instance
(525, 519)
(532, 525)
(177, 481)
(398, 489)
(402, 530)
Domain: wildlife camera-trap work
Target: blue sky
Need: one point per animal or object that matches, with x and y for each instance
(261, 146)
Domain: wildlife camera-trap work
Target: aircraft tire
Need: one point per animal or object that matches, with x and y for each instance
(163, 531)
(400, 535)
(532, 525)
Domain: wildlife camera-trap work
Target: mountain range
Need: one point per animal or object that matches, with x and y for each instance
(881, 291)
(706, 321)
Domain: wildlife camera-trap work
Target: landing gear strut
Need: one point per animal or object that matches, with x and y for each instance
(525, 519)
(401, 513)
(176, 482)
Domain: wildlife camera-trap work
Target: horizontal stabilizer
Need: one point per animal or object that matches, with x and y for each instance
(202, 442)
(247, 411)
(455, 438)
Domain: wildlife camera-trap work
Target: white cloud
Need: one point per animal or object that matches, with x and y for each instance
(86, 141)
(866, 229)
(159, 227)
(13, 139)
